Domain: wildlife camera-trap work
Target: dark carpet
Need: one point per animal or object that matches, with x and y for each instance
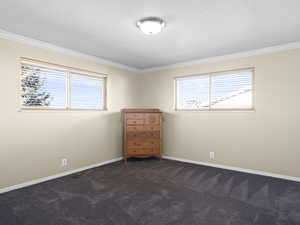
(153, 192)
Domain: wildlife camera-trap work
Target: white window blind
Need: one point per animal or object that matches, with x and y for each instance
(193, 93)
(42, 87)
(55, 87)
(87, 92)
(231, 90)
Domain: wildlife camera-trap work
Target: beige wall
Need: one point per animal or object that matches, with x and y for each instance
(267, 139)
(33, 143)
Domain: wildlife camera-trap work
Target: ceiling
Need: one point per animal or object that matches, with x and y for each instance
(196, 29)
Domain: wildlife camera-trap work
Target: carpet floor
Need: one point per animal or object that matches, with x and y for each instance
(153, 192)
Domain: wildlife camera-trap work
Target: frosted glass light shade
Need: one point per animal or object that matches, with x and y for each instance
(151, 25)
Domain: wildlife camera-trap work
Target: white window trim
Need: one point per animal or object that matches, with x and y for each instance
(211, 74)
(68, 70)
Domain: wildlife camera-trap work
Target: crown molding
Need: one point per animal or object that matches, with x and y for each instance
(268, 50)
(26, 40)
(45, 45)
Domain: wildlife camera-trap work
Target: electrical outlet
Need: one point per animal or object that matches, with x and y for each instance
(64, 162)
(212, 155)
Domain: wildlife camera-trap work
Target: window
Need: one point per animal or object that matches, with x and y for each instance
(47, 86)
(218, 91)
(86, 92)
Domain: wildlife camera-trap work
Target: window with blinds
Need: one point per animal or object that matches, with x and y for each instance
(86, 92)
(219, 91)
(58, 87)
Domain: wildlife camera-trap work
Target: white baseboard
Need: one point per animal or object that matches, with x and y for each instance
(40, 180)
(257, 172)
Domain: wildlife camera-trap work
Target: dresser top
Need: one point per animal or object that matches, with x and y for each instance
(141, 110)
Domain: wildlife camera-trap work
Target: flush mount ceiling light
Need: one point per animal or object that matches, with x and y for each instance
(151, 25)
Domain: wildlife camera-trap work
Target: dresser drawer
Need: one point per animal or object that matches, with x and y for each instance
(143, 143)
(135, 151)
(151, 128)
(143, 134)
(143, 151)
(155, 143)
(152, 118)
(135, 116)
(143, 128)
(135, 143)
(134, 128)
(152, 150)
(134, 122)
(134, 134)
(153, 134)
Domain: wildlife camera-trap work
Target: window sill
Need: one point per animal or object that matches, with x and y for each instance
(41, 109)
(215, 110)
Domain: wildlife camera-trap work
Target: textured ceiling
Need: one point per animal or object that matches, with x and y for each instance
(195, 29)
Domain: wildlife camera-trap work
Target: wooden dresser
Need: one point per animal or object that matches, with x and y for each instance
(142, 133)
